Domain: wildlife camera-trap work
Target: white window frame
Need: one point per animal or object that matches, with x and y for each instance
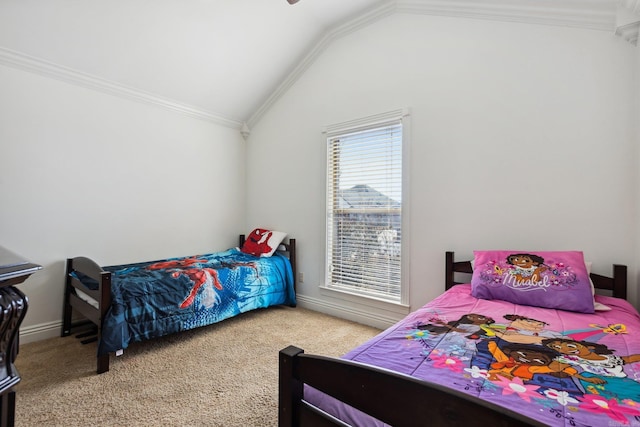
(401, 116)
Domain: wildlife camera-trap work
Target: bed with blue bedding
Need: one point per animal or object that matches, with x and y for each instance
(136, 302)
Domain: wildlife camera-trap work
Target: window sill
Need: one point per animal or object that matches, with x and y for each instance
(368, 301)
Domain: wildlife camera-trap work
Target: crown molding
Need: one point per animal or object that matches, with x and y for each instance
(561, 13)
(245, 131)
(31, 64)
(629, 32)
(632, 6)
(627, 25)
(595, 15)
(600, 16)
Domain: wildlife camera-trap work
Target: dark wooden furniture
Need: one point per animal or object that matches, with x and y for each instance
(396, 399)
(13, 307)
(391, 397)
(93, 315)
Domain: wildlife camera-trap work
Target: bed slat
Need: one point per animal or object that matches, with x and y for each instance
(95, 294)
(86, 309)
(312, 416)
(452, 267)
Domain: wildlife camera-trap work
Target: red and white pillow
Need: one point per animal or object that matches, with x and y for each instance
(262, 242)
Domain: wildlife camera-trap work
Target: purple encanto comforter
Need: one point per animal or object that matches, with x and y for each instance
(558, 367)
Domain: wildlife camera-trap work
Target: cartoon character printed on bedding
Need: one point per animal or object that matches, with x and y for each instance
(199, 276)
(203, 277)
(527, 359)
(600, 366)
(258, 242)
(464, 330)
(523, 330)
(469, 323)
(526, 267)
(524, 271)
(519, 341)
(524, 361)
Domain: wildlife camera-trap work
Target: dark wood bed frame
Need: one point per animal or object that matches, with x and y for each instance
(93, 316)
(394, 398)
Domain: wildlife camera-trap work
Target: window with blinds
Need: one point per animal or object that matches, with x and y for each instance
(364, 209)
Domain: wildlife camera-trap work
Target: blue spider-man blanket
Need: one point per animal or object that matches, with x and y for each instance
(156, 298)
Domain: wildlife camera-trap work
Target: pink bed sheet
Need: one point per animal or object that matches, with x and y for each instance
(558, 367)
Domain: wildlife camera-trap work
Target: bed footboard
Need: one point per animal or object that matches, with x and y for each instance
(393, 398)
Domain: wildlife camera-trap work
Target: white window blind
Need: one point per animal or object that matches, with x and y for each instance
(364, 209)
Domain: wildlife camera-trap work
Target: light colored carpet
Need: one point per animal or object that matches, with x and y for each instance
(220, 375)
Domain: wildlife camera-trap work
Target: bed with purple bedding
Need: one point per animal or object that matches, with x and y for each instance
(463, 360)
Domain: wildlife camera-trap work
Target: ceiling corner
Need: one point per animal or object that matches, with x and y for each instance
(594, 14)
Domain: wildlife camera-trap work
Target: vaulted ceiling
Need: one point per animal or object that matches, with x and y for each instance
(227, 60)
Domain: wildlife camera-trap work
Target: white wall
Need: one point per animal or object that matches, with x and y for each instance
(637, 180)
(86, 173)
(522, 138)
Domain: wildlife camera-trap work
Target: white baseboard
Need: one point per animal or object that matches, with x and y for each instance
(345, 312)
(44, 331)
(40, 332)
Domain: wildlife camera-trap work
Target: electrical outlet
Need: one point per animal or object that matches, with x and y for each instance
(300, 277)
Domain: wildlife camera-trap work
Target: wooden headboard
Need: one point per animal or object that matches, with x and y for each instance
(617, 284)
